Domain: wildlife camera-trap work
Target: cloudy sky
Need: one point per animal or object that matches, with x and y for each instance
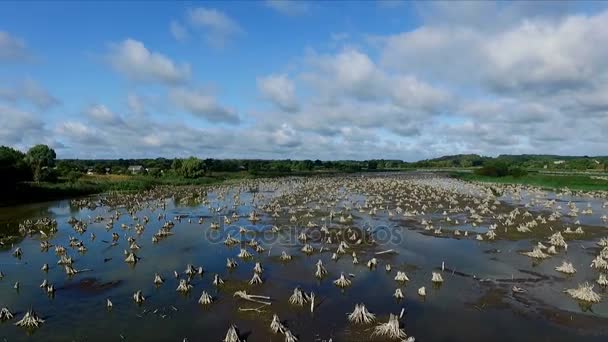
(326, 80)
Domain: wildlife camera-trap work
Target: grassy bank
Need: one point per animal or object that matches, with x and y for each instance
(30, 192)
(547, 181)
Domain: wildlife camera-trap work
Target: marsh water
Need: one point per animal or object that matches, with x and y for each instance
(474, 303)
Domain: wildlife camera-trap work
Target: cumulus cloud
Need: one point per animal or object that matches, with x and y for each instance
(537, 54)
(178, 31)
(289, 7)
(218, 27)
(12, 48)
(202, 104)
(135, 61)
(29, 91)
(19, 126)
(102, 114)
(280, 90)
(80, 133)
(474, 77)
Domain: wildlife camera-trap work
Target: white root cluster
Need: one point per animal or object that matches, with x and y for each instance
(285, 256)
(190, 270)
(308, 249)
(244, 254)
(5, 314)
(256, 279)
(184, 286)
(599, 263)
(205, 299)
(536, 253)
(342, 282)
(584, 292)
(361, 315)
(131, 258)
(30, 320)
(390, 329)
(232, 335)
(217, 281)
(276, 326)
(437, 278)
(321, 271)
(138, 297)
(422, 291)
(298, 297)
(398, 294)
(602, 280)
(566, 267)
(289, 337)
(557, 239)
(230, 263)
(401, 277)
(158, 280)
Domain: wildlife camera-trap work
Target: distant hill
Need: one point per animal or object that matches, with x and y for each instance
(526, 161)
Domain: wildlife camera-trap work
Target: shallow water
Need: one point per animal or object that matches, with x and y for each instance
(463, 308)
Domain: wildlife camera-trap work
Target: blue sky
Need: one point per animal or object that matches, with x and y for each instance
(281, 79)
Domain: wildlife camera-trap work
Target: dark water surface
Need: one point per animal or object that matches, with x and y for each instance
(463, 308)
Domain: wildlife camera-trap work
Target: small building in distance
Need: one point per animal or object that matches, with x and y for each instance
(558, 162)
(136, 169)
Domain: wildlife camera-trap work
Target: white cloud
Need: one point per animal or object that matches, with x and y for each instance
(12, 48)
(102, 114)
(535, 54)
(289, 7)
(134, 60)
(136, 104)
(202, 104)
(80, 133)
(178, 31)
(29, 91)
(19, 126)
(219, 28)
(279, 89)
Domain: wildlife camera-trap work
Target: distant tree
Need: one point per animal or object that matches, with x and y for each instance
(73, 176)
(154, 172)
(12, 166)
(372, 164)
(191, 168)
(40, 158)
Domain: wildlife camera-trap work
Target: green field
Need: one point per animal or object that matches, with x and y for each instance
(547, 181)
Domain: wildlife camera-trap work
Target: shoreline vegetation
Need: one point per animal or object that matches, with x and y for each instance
(37, 176)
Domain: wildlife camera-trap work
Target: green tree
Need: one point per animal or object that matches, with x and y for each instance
(12, 166)
(40, 158)
(191, 168)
